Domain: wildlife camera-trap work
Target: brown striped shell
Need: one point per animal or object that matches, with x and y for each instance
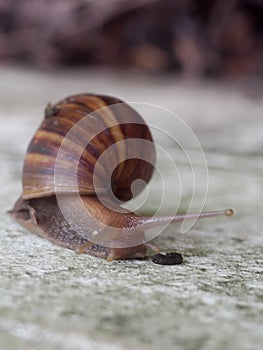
(68, 139)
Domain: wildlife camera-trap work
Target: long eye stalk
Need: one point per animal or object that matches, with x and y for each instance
(150, 222)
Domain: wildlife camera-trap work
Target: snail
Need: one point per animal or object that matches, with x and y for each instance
(59, 168)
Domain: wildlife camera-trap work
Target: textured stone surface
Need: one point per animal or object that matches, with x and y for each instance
(51, 298)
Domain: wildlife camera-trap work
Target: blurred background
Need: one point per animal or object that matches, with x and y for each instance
(193, 38)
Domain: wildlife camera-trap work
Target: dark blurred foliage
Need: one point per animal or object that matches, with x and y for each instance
(221, 38)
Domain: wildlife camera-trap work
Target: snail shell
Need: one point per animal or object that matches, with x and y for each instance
(68, 144)
(42, 152)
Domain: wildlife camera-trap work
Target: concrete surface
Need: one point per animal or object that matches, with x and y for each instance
(51, 298)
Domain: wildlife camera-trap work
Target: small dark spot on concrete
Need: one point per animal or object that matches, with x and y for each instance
(168, 259)
(237, 239)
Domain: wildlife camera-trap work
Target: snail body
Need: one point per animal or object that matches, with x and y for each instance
(61, 161)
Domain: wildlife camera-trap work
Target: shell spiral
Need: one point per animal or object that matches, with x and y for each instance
(95, 129)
